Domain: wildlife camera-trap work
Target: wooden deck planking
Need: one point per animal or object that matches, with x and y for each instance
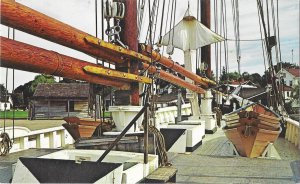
(213, 162)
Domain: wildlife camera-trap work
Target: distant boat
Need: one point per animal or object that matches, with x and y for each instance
(83, 128)
(252, 128)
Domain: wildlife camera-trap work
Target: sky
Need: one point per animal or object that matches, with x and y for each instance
(81, 14)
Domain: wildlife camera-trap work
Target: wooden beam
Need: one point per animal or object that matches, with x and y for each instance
(174, 79)
(176, 67)
(96, 42)
(25, 57)
(116, 74)
(25, 19)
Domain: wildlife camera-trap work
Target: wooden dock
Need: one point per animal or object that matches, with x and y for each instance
(213, 162)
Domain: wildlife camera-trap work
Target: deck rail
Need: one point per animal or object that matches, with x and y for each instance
(292, 133)
(55, 137)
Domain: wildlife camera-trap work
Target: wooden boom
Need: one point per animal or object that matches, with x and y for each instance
(23, 18)
(174, 79)
(25, 57)
(176, 67)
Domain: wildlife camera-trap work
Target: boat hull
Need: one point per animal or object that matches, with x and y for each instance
(251, 129)
(83, 128)
(254, 143)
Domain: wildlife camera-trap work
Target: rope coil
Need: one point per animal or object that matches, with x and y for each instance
(160, 144)
(5, 144)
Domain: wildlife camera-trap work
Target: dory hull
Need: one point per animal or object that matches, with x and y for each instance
(79, 131)
(81, 128)
(251, 142)
(251, 129)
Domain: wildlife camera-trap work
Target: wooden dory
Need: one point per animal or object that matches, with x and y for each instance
(251, 129)
(82, 128)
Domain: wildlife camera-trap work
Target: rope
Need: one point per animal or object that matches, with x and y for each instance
(161, 23)
(13, 92)
(166, 27)
(160, 145)
(262, 43)
(5, 144)
(235, 12)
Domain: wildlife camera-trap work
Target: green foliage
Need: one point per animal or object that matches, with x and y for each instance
(285, 65)
(3, 92)
(228, 77)
(28, 88)
(18, 100)
(288, 107)
(39, 79)
(296, 91)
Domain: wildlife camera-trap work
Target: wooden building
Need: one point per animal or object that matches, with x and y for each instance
(60, 100)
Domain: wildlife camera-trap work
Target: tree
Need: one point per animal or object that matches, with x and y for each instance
(18, 100)
(227, 77)
(296, 91)
(285, 65)
(246, 76)
(3, 92)
(256, 79)
(28, 88)
(39, 79)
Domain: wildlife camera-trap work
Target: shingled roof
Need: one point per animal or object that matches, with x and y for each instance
(249, 93)
(294, 71)
(62, 91)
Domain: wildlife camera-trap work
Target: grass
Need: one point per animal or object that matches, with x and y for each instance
(18, 114)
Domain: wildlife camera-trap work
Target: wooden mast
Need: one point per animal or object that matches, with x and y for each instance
(205, 51)
(129, 36)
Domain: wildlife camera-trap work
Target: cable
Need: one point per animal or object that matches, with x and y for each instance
(13, 92)
(166, 23)
(174, 21)
(155, 23)
(170, 27)
(96, 23)
(162, 20)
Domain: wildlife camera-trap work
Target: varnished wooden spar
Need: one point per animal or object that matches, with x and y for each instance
(116, 74)
(33, 22)
(174, 80)
(21, 17)
(176, 67)
(25, 57)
